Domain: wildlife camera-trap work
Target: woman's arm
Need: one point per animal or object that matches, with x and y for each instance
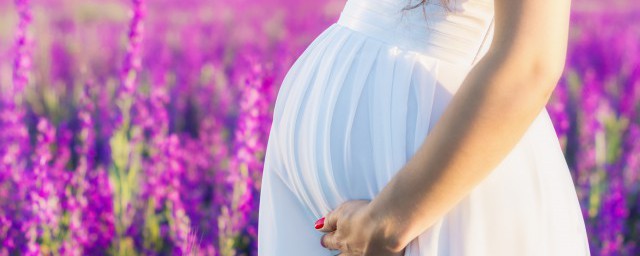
(496, 103)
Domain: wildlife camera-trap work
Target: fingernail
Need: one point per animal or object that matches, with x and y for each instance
(320, 223)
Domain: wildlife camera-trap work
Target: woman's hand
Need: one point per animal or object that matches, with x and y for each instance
(352, 229)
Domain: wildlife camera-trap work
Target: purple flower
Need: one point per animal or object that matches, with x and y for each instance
(44, 209)
(14, 139)
(133, 61)
(22, 62)
(249, 142)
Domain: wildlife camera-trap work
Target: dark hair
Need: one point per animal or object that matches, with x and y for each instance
(445, 4)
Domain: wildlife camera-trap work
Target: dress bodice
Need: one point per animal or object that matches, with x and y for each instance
(459, 36)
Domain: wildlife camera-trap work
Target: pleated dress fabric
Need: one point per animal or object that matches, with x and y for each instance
(359, 102)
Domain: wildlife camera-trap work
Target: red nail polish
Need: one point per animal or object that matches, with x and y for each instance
(320, 223)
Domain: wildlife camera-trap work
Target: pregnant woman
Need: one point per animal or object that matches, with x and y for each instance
(420, 128)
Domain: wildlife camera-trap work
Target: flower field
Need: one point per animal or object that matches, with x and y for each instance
(139, 127)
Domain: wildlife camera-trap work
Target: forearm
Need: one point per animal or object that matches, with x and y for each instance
(484, 120)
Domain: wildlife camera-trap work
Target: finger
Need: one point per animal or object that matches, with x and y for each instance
(329, 241)
(330, 222)
(324, 241)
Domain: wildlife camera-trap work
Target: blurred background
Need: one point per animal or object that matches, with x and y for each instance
(139, 127)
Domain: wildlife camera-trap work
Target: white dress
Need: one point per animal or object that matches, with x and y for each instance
(358, 103)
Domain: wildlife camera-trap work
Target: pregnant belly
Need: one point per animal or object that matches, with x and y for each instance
(346, 123)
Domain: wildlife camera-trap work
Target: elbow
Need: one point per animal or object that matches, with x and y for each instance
(549, 67)
(536, 68)
(545, 73)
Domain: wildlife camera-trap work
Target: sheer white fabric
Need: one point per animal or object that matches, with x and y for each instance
(358, 103)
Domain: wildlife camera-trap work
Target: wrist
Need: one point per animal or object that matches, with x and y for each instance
(386, 230)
